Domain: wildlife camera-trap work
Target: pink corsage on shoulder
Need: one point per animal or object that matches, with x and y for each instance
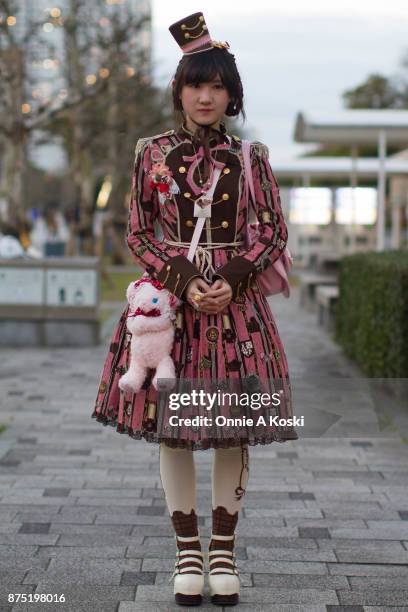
(161, 178)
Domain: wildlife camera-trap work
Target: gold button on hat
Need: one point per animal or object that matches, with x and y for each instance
(189, 223)
(225, 196)
(187, 194)
(182, 169)
(224, 224)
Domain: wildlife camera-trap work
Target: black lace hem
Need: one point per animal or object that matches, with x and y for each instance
(153, 437)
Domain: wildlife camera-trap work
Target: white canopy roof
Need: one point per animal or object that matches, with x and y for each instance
(352, 126)
(357, 127)
(337, 167)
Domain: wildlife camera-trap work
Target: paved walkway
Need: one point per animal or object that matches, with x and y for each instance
(324, 525)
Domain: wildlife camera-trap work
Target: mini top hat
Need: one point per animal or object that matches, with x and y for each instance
(192, 36)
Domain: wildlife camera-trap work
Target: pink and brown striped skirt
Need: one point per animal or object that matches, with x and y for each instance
(238, 349)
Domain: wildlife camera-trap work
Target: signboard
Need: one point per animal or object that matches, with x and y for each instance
(71, 287)
(21, 286)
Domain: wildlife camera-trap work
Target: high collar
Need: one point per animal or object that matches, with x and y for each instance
(219, 136)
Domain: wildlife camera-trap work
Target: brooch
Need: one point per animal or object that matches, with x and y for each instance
(161, 178)
(219, 44)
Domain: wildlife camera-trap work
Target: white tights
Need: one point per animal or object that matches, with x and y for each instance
(230, 472)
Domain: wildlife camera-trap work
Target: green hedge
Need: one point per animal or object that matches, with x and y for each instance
(372, 312)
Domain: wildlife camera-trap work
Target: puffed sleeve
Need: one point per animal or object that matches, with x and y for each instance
(162, 261)
(238, 272)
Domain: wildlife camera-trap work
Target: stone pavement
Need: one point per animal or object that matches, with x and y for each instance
(324, 525)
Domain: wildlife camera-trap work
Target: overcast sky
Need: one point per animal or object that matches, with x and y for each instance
(296, 57)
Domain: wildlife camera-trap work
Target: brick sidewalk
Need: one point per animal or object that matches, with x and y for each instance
(324, 525)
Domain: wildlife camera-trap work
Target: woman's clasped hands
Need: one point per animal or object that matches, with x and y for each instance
(209, 299)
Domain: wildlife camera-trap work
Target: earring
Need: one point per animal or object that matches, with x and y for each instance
(232, 108)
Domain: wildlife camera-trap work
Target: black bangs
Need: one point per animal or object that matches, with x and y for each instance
(203, 68)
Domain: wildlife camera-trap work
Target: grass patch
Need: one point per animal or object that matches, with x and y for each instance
(293, 280)
(2, 428)
(114, 285)
(105, 314)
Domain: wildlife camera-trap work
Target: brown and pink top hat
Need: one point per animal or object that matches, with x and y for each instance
(192, 35)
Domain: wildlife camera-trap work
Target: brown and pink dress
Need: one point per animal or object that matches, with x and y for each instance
(241, 343)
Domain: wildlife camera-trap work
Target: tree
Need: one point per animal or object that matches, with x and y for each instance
(104, 52)
(25, 107)
(99, 102)
(376, 92)
(17, 115)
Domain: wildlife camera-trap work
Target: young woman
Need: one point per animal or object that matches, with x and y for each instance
(225, 329)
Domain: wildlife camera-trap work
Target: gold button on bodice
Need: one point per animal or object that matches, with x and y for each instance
(224, 224)
(225, 196)
(187, 194)
(182, 169)
(226, 171)
(189, 223)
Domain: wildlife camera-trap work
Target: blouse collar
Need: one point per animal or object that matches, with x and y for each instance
(220, 136)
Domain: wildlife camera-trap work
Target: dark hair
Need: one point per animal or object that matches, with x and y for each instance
(203, 68)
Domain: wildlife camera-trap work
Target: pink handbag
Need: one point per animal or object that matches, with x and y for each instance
(274, 279)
